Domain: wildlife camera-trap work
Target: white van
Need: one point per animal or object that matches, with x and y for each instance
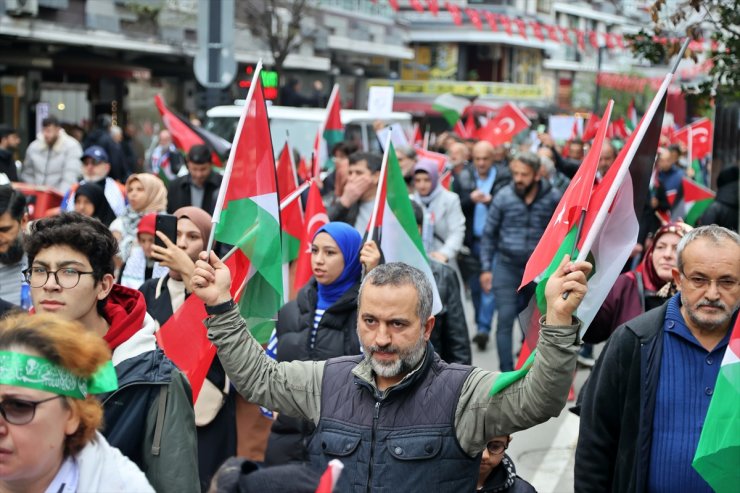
(302, 124)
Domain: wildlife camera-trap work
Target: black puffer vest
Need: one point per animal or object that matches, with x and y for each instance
(404, 441)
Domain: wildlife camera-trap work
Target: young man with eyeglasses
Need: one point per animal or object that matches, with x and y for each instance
(497, 472)
(150, 417)
(648, 395)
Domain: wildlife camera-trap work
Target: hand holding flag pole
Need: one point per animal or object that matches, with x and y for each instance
(230, 163)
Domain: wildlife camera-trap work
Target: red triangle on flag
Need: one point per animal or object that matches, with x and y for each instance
(184, 339)
(291, 217)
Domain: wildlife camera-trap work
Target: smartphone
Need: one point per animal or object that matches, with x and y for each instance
(541, 129)
(167, 224)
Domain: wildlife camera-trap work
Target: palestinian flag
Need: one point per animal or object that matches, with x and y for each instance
(718, 453)
(291, 217)
(247, 213)
(392, 225)
(631, 120)
(331, 133)
(183, 336)
(315, 217)
(610, 225)
(186, 135)
(696, 200)
(451, 107)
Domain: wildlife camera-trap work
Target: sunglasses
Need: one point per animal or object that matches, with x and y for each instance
(20, 411)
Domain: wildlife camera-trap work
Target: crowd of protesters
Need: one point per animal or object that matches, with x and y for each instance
(356, 359)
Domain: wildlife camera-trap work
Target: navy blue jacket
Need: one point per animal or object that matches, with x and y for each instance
(514, 228)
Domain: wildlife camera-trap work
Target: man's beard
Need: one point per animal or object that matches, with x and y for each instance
(407, 359)
(14, 253)
(522, 192)
(702, 323)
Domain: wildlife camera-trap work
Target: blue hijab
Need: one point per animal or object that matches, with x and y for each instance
(349, 242)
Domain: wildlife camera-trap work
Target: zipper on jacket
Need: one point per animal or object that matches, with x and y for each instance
(376, 413)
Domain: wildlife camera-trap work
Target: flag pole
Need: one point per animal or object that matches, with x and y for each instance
(624, 169)
(606, 117)
(216, 218)
(376, 205)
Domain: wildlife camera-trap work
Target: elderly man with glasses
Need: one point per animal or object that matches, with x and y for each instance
(645, 403)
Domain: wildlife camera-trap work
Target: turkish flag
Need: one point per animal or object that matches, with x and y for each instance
(552, 32)
(501, 129)
(491, 19)
(701, 132)
(522, 27)
(416, 5)
(592, 126)
(537, 29)
(565, 33)
(454, 11)
(433, 6)
(314, 217)
(474, 17)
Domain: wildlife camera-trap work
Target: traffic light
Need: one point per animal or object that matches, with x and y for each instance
(270, 81)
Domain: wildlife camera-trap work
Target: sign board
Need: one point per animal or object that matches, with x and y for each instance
(380, 101)
(561, 127)
(214, 64)
(42, 111)
(492, 90)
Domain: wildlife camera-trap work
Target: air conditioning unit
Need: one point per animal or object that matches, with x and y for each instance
(22, 7)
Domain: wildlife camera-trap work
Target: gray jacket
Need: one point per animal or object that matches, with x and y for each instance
(449, 223)
(294, 387)
(57, 167)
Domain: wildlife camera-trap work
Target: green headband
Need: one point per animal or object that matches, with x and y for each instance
(33, 372)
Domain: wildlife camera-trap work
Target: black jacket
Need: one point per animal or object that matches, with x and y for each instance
(618, 407)
(724, 210)
(336, 336)
(450, 334)
(178, 193)
(7, 165)
(464, 184)
(503, 479)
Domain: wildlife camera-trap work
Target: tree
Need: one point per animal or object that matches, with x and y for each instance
(279, 24)
(697, 19)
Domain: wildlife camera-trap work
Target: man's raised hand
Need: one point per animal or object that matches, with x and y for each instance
(570, 277)
(211, 281)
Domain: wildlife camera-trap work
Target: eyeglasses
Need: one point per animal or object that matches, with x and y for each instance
(21, 412)
(496, 448)
(726, 284)
(66, 278)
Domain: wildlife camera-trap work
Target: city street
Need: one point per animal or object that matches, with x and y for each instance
(543, 455)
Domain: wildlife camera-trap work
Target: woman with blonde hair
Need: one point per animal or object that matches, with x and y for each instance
(49, 417)
(145, 193)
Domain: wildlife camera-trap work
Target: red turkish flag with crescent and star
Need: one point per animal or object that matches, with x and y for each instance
(701, 137)
(501, 129)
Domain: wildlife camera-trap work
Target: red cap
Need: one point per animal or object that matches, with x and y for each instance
(146, 224)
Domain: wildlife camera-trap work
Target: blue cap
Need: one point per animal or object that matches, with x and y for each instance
(97, 153)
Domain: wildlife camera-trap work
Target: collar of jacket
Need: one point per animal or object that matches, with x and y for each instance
(501, 478)
(364, 373)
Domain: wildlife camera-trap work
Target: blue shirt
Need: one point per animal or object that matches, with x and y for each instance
(688, 374)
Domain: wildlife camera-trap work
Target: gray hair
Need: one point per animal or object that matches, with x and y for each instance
(400, 274)
(713, 233)
(530, 159)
